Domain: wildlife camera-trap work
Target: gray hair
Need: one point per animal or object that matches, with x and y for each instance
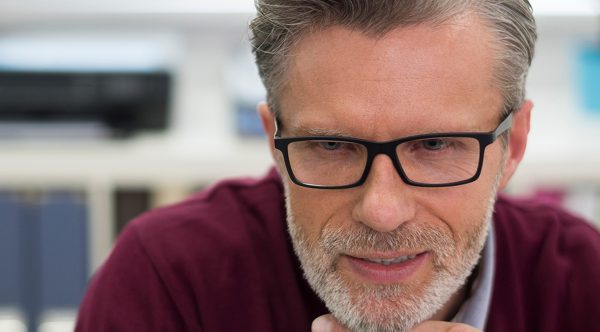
(280, 24)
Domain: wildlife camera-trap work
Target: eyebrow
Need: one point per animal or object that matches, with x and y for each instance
(306, 131)
(302, 131)
(312, 131)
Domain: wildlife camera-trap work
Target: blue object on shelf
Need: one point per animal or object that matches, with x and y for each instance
(247, 120)
(589, 76)
(63, 251)
(43, 253)
(10, 251)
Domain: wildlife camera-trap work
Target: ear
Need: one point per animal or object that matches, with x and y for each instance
(517, 141)
(268, 122)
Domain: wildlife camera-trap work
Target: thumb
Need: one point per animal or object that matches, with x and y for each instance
(327, 323)
(438, 326)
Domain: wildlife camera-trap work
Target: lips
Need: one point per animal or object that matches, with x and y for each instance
(386, 262)
(385, 268)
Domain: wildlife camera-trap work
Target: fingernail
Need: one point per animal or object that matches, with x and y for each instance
(321, 324)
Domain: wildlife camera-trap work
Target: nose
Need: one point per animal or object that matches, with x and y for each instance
(386, 201)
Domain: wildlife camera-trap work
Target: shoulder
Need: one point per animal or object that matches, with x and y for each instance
(170, 261)
(191, 239)
(547, 273)
(219, 213)
(531, 223)
(223, 198)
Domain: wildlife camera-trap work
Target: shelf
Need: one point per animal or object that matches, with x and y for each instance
(155, 13)
(192, 12)
(132, 7)
(149, 163)
(557, 8)
(155, 164)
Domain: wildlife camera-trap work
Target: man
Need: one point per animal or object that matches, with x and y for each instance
(394, 125)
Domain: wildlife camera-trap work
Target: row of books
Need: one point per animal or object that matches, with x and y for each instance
(43, 254)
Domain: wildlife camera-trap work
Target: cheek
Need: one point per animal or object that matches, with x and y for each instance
(462, 208)
(313, 209)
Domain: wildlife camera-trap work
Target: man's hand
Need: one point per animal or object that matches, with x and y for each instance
(328, 323)
(437, 326)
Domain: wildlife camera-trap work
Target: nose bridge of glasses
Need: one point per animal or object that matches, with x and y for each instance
(388, 149)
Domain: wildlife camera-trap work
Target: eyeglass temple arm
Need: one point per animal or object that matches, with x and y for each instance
(503, 126)
(277, 126)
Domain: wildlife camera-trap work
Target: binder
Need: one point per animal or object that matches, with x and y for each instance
(43, 255)
(10, 251)
(63, 250)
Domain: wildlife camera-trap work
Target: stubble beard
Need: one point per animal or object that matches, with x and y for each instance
(388, 307)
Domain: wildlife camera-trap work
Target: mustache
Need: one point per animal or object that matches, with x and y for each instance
(410, 236)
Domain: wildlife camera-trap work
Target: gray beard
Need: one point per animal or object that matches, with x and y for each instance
(364, 307)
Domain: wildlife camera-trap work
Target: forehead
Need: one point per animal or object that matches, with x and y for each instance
(411, 79)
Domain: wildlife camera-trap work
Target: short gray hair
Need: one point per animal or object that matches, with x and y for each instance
(280, 24)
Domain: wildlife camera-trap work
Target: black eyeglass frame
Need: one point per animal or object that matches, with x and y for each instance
(389, 148)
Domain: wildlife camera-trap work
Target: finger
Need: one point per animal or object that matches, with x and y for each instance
(437, 326)
(327, 323)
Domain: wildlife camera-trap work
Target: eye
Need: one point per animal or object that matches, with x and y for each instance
(330, 145)
(434, 144)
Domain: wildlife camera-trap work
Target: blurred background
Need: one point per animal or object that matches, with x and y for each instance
(109, 108)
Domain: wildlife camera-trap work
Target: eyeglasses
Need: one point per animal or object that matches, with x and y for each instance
(430, 160)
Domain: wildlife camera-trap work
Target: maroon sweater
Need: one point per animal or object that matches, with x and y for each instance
(222, 261)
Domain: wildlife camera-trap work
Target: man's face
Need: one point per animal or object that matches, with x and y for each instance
(386, 253)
